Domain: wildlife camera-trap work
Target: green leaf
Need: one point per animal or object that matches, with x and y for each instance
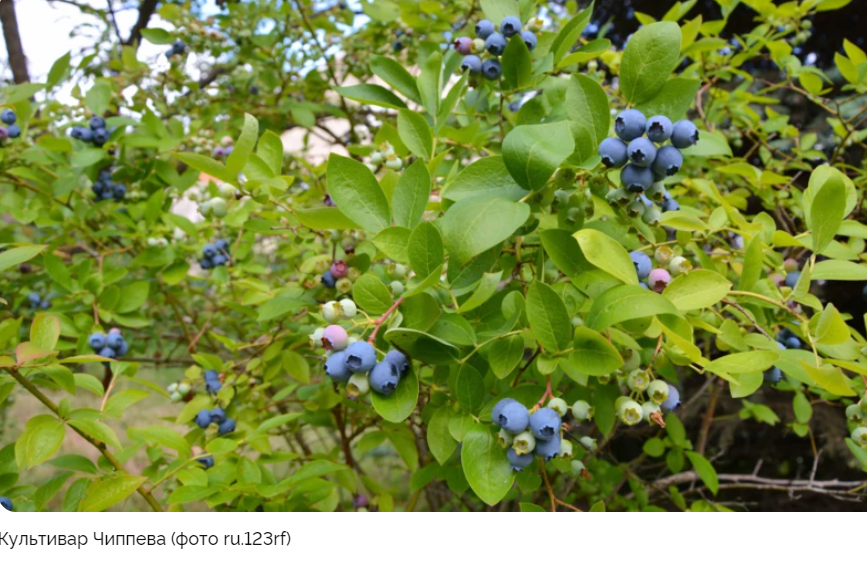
(47, 490)
(485, 465)
(45, 332)
(394, 242)
(243, 146)
(832, 328)
(398, 406)
(17, 255)
(324, 218)
(827, 212)
(486, 288)
(108, 492)
(471, 226)
(430, 82)
(673, 100)
(548, 318)
(698, 289)
(371, 94)
(357, 193)
(649, 58)
(422, 346)
(593, 355)
(98, 97)
(589, 116)
(440, 441)
(40, 440)
(533, 152)
(164, 436)
(517, 64)
(740, 363)
(426, 252)
(486, 176)
(705, 470)
(97, 430)
(270, 150)
(415, 133)
(120, 401)
(156, 35)
(607, 254)
(411, 194)
(505, 355)
(371, 294)
(569, 34)
(496, 10)
(207, 165)
(469, 388)
(829, 378)
(396, 76)
(830, 269)
(134, 297)
(626, 302)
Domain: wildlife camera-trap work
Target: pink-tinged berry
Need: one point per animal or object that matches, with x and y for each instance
(463, 45)
(658, 279)
(790, 265)
(339, 269)
(334, 338)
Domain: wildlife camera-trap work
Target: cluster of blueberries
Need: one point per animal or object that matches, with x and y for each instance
(109, 346)
(525, 433)
(215, 254)
(212, 382)
(657, 279)
(216, 416)
(37, 301)
(11, 130)
(179, 391)
(355, 363)
(97, 134)
(6, 503)
(786, 339)
(644, 162)
(385, 156)
(177, 48)
(104, 188)
(494, 42)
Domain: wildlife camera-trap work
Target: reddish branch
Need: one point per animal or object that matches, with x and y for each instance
(381, 320)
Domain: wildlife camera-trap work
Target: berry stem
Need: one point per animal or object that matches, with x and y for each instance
(381, 320)
(549, 393)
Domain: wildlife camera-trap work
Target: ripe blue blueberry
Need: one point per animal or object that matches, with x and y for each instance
(179, 47)
(514, 418)
(518, 462)
(384, 378)
(636, 178)
(212, 375)
(613, 152)
(669, 204)
(484, 28)
(495, 44)
(548, 449)
(203, 418)
(209, 250)
(399, 360)
(792, 342)
(510, 26)
(219, 260)
(96, 341)
(218, 415)
(14, 131)
(8, 116)
(491, 69)
(360, 357)
(97, 123)
(213, 386)
(107, 352)
(226, 427)
(630, 124)
(118, 191)
(75, 132)
(6, 503)
(498, 408)
(684, 134)
(641, 152)
(545, 424)
(335, 367)
(124, 348)
(773, 375)
(328, 280)
(792, 279)
(114, 340)
(86, 134)
(668, 161)
(659, 128)
(529, 39)
(100, 136)
(471, 64)
(673, 401)
(222, 246)
(207, 462)
(643, 264)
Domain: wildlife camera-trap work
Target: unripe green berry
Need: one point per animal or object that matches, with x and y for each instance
(152, 242)
(227, 191)
(330, 311)
(559, 405)
(631, 360)
(396, 288)
(587, 442)
(348, 308)
(183, 388)
(353, 274)
(859, 435)
(854, 413)
(316, 337)
(394, 164)
(565, 448)
(357, 385)
(399, 271)
(638, 380)
(630, 412)
(524, 443)
(577, 468)
(219, 207)
(505, 438)
(344, 286)
(663, 254)
(679, 265)
(647, 409)
(592, 66)
(863, 405)
(657, 390)
(176, 397)
(376, 158)
(172, 388)
(582, 411)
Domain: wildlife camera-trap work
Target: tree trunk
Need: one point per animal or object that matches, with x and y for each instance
(17, 60)
(145, 10)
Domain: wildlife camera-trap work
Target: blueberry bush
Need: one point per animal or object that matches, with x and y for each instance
(534, 269)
